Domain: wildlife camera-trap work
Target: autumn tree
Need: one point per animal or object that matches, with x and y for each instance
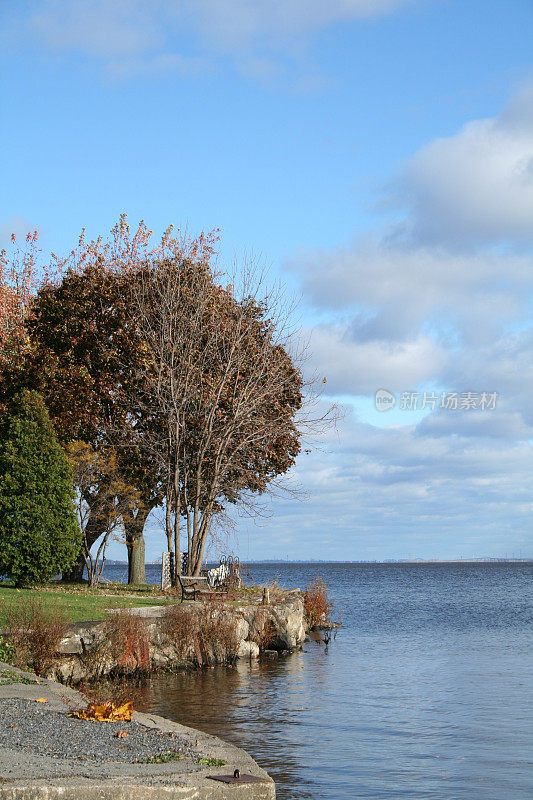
(225, 383)
(189, 379)
(104, 502)
(85, 360)
(39, 535)
(18, 280)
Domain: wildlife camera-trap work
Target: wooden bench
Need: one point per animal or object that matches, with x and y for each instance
(192, 585)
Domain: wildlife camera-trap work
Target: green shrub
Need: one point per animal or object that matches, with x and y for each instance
(39, 532)
(7, 651)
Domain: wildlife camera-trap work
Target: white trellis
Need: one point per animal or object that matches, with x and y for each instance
(167, 570)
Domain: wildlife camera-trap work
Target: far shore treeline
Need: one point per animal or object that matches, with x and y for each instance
(154, 379)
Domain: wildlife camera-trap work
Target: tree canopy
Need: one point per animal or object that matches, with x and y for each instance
(183, 375)
(222, 383)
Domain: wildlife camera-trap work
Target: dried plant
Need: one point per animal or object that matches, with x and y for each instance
(203, 636)
(127, 641)
(262, 630)
(118, 690)
(177, 626)
(35, 631)
(317, 607)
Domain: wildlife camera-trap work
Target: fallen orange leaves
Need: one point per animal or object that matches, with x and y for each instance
(105, 712)
(41, 700)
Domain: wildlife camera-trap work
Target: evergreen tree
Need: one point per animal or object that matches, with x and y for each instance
(39, 532)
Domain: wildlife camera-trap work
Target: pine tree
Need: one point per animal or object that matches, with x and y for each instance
(39, 532)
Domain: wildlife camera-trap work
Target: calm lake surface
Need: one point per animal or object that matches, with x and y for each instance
(425, 693)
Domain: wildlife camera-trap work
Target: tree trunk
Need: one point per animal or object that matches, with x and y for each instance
(135, 545)
(75, 573)
(136, 565)
(93, 530)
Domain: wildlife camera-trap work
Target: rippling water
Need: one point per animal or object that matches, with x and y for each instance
(425, 693)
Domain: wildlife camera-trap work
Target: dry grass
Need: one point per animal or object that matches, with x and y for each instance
(35, 630)
(317, 607)
(127, 641)
(115, 690)
(203, 636)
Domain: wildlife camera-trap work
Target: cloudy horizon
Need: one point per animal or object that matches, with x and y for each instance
(388, 186)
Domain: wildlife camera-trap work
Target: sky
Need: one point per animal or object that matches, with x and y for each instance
(377, 155)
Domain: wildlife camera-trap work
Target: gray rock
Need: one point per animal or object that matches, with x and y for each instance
(249, 650)
(70, 645)
(270, 655)
(47, 755)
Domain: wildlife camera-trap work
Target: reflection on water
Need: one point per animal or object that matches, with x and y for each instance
(426, 692)
(252, 705)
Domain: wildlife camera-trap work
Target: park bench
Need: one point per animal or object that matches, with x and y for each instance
(191, 586)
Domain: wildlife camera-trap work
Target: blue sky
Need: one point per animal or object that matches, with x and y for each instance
(378, 155)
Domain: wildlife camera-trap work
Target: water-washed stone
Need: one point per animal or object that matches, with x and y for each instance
(278, 626)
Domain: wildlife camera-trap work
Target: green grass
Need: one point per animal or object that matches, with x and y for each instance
(161, 758)
(81, 604)
(8, 676)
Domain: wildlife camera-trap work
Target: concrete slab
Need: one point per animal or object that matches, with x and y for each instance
(28, 775)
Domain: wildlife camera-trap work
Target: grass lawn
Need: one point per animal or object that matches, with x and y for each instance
(80, 604)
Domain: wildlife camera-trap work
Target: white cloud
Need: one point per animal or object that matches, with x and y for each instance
(403, 314)
(475, 186)
(238, 24)
(359, 368)
(444, 306)
(255, 32)
(400, 491)
(421, 319)
(396, 289)
(108, 30)
(160, 64)
(506, 425)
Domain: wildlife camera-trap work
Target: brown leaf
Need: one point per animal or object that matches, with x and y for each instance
(105, 712)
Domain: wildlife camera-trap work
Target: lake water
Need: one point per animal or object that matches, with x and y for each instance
(425, 693)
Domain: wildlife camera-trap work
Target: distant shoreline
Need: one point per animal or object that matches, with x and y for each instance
(488, 560)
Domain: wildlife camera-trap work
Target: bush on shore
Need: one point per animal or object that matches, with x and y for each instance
(34, 632)
(201, 636)
(126, 640)
(317, 607)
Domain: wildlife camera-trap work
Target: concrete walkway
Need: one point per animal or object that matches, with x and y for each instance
(28, 772)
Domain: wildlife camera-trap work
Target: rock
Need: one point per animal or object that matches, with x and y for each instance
(70, 671)
(84, 653)
(249, 650)
(70, 645)
(242, 629)
(288, 619)
(270, 655)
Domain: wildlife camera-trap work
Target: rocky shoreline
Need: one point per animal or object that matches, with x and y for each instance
(47, 754)
(84, 654)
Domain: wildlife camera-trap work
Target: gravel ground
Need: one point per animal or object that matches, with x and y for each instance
(26, 725)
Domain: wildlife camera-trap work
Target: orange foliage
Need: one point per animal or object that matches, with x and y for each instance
(105, 712)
